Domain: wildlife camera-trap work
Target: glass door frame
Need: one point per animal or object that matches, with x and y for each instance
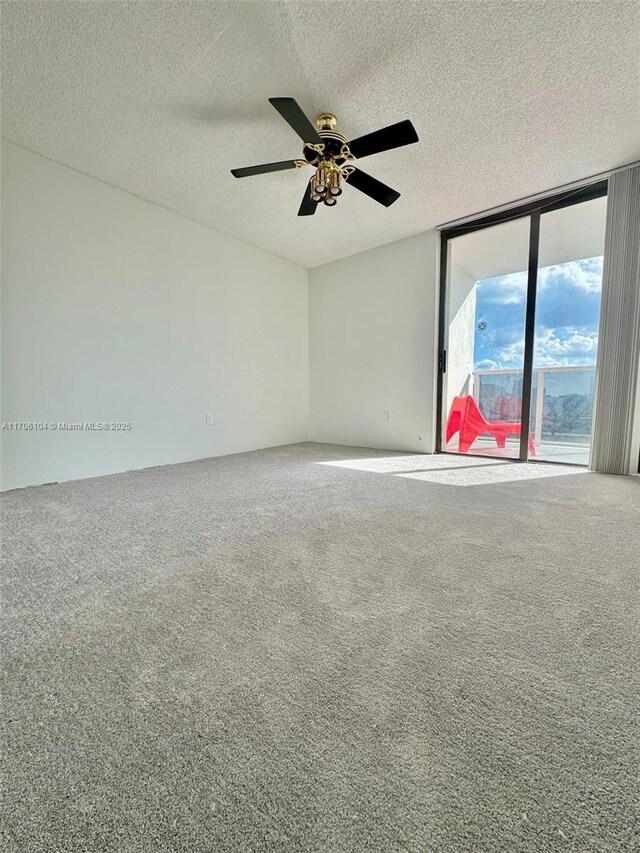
(532, 210)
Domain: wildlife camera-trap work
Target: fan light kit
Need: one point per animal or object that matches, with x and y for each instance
(332, 155)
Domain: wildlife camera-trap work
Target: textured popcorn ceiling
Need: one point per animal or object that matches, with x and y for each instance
(161, 99)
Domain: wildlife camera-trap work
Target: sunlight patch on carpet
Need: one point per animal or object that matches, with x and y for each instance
(414, 462)
(482, 475)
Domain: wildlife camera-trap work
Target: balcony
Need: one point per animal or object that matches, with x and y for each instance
(561, 411)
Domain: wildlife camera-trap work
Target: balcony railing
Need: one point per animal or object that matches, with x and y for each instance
(562, 400)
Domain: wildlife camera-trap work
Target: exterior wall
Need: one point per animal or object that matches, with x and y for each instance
(461, 333)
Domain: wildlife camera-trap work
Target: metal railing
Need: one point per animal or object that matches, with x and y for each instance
(562, 400)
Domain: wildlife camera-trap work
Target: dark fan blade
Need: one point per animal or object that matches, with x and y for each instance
(394, 136)
(308, 207)
(291, 112)
(265, 167)
(372, 187)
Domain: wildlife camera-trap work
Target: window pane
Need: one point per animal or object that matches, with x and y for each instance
(485, 321)
(566, 330)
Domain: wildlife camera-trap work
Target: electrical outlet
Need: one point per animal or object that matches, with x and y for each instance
(386, 415)
(209, 418)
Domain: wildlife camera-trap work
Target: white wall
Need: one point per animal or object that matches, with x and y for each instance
(117, 310)
(372, 345)
(461, 318)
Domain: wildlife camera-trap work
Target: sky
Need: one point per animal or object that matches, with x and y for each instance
(567, 313)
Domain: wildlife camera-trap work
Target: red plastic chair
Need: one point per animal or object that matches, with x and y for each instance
(466, 419)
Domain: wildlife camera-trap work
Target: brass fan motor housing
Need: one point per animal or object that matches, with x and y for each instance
(333, 142)
(326, 121)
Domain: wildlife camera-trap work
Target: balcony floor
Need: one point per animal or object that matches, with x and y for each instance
(573, 454)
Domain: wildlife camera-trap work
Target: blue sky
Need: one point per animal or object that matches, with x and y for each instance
(567, 313)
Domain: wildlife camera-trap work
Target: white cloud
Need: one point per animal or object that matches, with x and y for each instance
(552, 348)
(576, 341)
(512, 355)
(572, 348)
(505, 290)
(487, 364)
(585, 274)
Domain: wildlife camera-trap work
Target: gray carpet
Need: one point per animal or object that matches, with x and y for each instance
(263, 653)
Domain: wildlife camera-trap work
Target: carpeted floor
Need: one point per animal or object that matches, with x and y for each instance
(263, 653)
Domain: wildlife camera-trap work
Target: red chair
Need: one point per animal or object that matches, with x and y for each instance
(466, 419)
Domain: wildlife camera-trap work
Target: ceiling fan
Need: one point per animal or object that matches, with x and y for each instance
(332, 156)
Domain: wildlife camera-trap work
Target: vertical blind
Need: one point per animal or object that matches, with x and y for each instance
(619, 334)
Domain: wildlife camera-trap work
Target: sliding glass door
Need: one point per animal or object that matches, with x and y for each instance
(485, 323)
(520, 303)
(566, 330)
